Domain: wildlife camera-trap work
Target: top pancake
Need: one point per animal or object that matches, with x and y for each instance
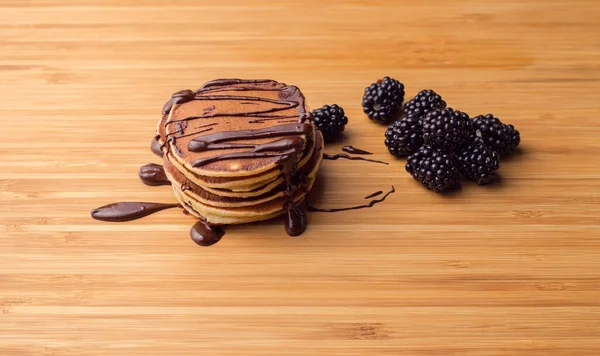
(239, 108)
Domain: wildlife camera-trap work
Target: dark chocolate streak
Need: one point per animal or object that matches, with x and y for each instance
(181, 97)
(232, 81)
(207, 127)
(259, 113)
(345, 156)
(377, 193)
(355, 151)
(156, 147)
(153, 175)
(126, 211)
(363, 206)
(205, 142)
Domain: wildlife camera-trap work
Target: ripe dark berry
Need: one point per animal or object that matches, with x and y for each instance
(446, 129)
(502, 138)
(434, 168)
(382, 100)
(330, 120)
(404, 137)
(424, 102)
(477, 162)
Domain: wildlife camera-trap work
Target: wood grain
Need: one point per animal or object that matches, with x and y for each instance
(510, 269)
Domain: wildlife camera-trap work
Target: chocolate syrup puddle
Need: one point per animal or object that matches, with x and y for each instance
(377, 193)
(204, 234)
(352, 158)
(363, 206)
(156, 147)
(126, 211)
(153, 175)
(355, 151)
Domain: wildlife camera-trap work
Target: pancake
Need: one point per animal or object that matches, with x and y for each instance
(239, 215)
(200, 194)
(256, 112)
(238, 151)
(244, 185)
(232, 188)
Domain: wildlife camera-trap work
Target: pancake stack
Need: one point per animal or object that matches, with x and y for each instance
(238, 151)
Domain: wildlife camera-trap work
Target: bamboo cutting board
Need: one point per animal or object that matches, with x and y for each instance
(509, 269)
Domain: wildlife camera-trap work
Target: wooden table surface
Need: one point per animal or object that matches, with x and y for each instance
(509, 269)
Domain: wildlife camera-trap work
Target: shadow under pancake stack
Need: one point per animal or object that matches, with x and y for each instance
(235, 151)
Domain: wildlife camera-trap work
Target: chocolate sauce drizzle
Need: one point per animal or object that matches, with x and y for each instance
(156, 147)
(363, 206)
(127, 211)
(377, 193)
(279, 148)
(286, 150)
(352, 158)
(204, 234)
(355, 151)
(153, 175)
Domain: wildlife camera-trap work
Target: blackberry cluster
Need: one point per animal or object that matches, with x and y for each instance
(424, 102)
(404, 136)
(477, 162)
(447, 129)
(330, 120)
(496, 135)
(443, 144)
(382, 100)
(434, 168)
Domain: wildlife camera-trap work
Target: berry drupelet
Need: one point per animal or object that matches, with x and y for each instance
(496, 135)
(404, 137)
(434, 168)
(424, 102)
(330, 120)
(447, 129)
(477, 162)
(382, 100)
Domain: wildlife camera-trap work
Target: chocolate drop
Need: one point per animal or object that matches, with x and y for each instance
(204, 234)
(156, 147)
(295, 221)
(153, 175)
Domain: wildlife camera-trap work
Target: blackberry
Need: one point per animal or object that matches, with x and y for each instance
(496, 135)
(434, 168)
(382, 100)
(330, 120)
(446, 129)
(477, 162)
(424, 102)
(404, 137)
